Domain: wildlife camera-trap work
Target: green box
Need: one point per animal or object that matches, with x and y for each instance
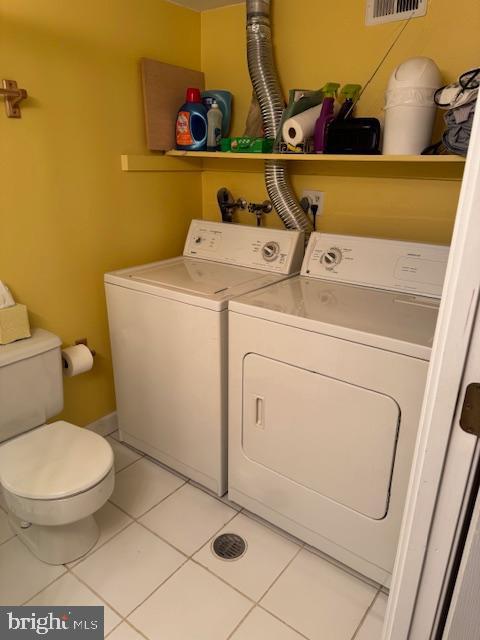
(245, 144)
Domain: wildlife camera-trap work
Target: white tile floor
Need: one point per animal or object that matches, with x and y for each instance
(154, 572)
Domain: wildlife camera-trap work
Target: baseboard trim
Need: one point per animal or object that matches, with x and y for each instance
(104, 426)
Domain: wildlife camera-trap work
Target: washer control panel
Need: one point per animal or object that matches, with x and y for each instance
(393, 265)
(272, 250)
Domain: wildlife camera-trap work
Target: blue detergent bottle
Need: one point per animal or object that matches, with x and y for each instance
(191, 127)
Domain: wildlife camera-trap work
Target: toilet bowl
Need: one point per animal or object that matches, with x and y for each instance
(54, 478)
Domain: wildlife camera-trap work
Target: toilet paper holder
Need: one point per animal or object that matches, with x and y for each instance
(85, 342)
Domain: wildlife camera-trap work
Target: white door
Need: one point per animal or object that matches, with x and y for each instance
(445, 457)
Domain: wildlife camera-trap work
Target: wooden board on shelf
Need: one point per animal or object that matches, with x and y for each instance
(164, 88)
(159, 162)
(404, 167)
(326, 157)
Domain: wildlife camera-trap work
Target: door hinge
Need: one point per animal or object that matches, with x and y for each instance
(470, 417)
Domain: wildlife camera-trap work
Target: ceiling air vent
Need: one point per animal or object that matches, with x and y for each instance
(380, 11)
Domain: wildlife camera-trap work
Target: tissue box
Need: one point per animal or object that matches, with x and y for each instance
(14, 324)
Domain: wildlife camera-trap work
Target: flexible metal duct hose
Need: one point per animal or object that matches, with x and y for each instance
(267, 89)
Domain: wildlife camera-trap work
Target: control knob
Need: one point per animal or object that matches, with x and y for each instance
(270, 251)
(331, 258)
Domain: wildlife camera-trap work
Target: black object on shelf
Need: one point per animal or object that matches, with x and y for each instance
(359, 136)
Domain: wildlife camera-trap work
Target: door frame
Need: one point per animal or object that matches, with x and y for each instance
(444, 455)
(463, 616)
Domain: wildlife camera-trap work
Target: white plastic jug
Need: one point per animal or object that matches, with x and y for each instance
(409, 107)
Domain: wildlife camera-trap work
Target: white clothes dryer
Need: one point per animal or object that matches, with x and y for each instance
(168, 331)
(326, 378)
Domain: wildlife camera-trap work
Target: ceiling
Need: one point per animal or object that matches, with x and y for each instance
(202, 5)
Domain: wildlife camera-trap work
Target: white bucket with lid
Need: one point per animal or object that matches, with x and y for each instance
(409, 107)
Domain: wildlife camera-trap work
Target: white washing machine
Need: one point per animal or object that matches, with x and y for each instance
(326, 379)
(168, 331)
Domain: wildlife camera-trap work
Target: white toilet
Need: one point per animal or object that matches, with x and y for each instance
(55, 476)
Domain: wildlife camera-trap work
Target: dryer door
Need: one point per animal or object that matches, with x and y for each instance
(331, 436)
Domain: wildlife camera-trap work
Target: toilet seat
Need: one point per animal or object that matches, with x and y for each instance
(62, 510)
(54, 462)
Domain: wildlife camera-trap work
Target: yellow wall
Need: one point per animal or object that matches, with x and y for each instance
(67, 212)
(316, 42)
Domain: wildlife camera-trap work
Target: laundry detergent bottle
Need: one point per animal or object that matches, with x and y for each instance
(191, 127)
(327, 114)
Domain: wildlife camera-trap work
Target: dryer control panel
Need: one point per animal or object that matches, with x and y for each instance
(393, 265)
(272, 250)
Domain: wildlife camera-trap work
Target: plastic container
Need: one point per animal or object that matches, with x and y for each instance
(224, 100)
(409, 107)
(191, 126)
(214, 135)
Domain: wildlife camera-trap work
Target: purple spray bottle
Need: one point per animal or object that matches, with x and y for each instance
(327, 114)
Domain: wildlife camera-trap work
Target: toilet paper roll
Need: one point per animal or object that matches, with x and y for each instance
(76, 360)
(301, 127)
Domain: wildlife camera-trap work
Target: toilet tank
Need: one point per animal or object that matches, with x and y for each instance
(31, 385)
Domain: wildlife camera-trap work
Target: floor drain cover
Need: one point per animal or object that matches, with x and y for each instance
(229, 546)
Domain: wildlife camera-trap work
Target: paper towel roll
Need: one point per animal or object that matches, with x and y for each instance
(76, 360)
(297, 129)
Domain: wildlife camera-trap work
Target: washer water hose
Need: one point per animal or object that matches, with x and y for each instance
(267, 89)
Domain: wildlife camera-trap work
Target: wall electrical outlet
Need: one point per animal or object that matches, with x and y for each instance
(314, 197)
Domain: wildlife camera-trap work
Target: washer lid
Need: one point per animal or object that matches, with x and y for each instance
(197, 276)
(201, 283)
(397, 322)
(55, 461)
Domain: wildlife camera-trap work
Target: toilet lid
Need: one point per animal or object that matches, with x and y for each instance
(54, 461)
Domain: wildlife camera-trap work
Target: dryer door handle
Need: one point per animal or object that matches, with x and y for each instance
(260, 412)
